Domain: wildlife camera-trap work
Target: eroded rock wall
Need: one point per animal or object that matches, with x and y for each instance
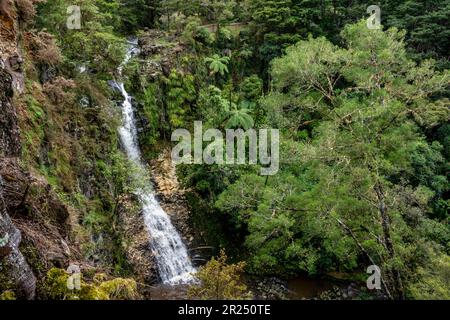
(16, 273)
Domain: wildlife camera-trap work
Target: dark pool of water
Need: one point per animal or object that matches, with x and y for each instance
(167, 292)
(305, 287)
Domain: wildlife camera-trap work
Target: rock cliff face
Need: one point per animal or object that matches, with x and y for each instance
(28, 207)
(159, 55)
(10, 53)
(42, 225)
(13, 265)
(26, 201)
(172, 195)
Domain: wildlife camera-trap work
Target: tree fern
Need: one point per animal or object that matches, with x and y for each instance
(218, 64)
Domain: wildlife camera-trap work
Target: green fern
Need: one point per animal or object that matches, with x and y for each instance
(218, 64)
(240, 117)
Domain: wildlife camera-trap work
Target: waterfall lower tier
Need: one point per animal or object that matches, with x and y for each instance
(171, 255)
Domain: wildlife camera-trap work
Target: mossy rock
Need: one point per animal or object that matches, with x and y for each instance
(8, 295)
(120, 289)
(55, 287)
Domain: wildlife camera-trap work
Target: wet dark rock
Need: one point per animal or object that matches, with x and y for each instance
(351, 292)
(152, 49)
(15, 62)
(271, 289)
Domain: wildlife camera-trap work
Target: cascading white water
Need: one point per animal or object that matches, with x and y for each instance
(171, 255)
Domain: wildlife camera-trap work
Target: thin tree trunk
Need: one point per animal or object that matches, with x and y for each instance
(385, 222)
(360, 246)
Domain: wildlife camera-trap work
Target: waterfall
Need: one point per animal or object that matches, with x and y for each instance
(170, 253)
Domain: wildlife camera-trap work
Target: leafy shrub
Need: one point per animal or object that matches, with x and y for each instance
(251, 88)
(8, 295)
(434, 279)
(220, 281)
(195, 35)
(119, 289)
(44, 48)
(224, 38)
(58, 90)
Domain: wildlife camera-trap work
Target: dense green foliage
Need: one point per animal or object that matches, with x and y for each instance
(354, 174)
(363, 116)
(364, 151)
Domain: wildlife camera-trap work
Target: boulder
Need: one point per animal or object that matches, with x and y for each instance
(14, 266)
